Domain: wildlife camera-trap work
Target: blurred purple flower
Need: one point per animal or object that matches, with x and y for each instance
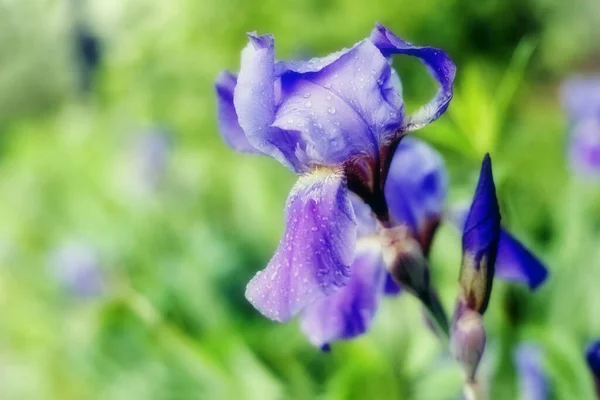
(151, 150)
(76, 268)
(581, 100)
(335, 121)
(533, 382)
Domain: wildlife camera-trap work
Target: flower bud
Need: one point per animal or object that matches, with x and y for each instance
(405, 261)
(481, 235)
(467, 340)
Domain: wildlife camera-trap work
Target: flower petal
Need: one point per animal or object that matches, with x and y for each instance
(417, 185)
(314, 256)
(230, 129)
(350, 311)
(366, 222)
(341, 105)
(254, 100)
(515, 263)
(437, 62)
(391, 288)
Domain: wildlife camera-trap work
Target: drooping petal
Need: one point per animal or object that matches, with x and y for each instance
(350, 311)
(391, 288)
(341, 105)
(533, 382)
(517, 264)
(314, 256)
(437, 62)
(514, 262)
(481, 235)
(416, 186)
(254, 100)
(229, 127)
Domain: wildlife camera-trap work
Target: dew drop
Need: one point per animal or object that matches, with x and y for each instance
(328, 97)
(308, 104)
(331, 110)
(306, 95)
(328, 85)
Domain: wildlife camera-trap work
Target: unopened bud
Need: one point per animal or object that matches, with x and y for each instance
(467, 341)
(405, 261)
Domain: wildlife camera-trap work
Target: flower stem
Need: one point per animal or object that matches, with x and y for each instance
(474, 391)
(437, 314)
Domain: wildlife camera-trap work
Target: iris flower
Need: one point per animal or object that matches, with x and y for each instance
(335, 122)
(339, 123)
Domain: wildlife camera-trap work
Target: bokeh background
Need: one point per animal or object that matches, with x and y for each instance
(128, 230)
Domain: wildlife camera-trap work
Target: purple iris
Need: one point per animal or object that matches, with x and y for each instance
(581, 100)
(533, 382)
(334, 121)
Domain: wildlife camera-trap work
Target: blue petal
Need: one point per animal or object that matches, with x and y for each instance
(349, 312)
(515, 263)
(254, 99)
(593, 358)
(391, 288)
(341, 105)
(366, 222)
(437, 62)
(481, 232)
(533, 382)
(230, 129)
(314, 256)
(416, 185)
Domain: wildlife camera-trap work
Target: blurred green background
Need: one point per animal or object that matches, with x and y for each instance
(130, 181)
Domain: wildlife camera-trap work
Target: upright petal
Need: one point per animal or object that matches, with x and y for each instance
(230, 129)
(416, 187)
(339, 104)
(533, 381)
(314, 256)
(254, 100)
(481, 235)
(366, 222)
(437, 62)
(349, 312)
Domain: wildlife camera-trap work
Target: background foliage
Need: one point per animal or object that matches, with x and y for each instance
(168, 319)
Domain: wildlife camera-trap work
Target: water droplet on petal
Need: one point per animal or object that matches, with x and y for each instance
(328, 85)
(306, 95)
(331, 110)
(308, 104)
